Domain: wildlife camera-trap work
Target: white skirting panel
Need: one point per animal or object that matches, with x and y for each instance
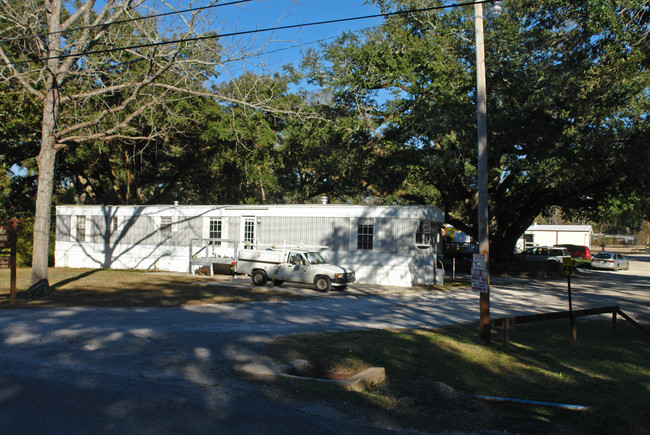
(370, 267)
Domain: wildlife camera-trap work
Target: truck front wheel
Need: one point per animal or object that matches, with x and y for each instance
(323, 283)
(259, 277)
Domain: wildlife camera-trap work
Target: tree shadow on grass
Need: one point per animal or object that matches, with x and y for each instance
(438, 371)
(109, 288)
(66, 281)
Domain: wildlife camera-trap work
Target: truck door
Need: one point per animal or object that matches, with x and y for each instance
(296, 268)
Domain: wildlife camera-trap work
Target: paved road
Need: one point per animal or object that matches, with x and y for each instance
(174, 370)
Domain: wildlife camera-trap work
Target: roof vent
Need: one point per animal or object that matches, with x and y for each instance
(324, 199)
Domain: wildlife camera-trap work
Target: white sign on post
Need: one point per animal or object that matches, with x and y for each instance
(479, 274)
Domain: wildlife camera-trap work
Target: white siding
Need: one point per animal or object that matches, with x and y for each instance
(138, 242)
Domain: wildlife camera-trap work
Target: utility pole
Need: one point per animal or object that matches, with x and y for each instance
(483, 216)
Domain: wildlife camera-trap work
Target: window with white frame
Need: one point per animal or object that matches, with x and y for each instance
(423, 235)
(80, 233)
(365, 234)
(166, 223)
(215, 230)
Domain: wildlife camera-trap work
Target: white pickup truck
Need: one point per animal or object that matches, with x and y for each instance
(305, 267)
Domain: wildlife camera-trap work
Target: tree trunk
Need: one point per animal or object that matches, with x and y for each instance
(47, 156)
(503, 247)
(132, 196)
(263, 192)
(510, 224)
(46, 159)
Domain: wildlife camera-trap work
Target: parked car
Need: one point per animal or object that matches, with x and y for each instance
(579, 251)
(551, 254)
(610, 261)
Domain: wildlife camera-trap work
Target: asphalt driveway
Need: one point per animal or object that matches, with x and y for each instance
(175, 370)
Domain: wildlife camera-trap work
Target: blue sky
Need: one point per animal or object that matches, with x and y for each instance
(262, 14)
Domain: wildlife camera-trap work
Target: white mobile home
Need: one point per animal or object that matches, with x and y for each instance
(389, 245)
(550, 235)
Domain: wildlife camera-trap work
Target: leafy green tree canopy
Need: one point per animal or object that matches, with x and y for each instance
(567, 106)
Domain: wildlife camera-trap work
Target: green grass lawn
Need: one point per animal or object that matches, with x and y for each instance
(128, 288)
(608, 373)
(136, 288)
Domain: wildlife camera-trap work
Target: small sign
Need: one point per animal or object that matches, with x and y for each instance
(479, 273)
(5, 262)
(567, 266)
(5, 236)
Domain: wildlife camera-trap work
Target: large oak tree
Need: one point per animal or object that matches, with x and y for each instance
(567, 106)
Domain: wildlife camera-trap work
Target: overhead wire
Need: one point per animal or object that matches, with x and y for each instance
(249, 32)
(129, 20)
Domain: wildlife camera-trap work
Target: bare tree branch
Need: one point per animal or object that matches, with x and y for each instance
(93, 90)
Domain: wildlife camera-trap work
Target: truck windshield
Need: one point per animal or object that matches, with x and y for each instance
(315, 258)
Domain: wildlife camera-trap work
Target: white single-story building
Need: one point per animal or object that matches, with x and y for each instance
(388, 245)
(554, 235)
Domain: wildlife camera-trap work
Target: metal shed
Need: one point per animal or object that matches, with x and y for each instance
(389, 245)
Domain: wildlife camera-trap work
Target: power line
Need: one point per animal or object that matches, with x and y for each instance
(130, 20)
(254, 31)
(298, 45)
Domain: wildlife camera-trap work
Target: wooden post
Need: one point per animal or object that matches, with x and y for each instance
(613, 322)
(14, 235)
(574, 329)
(453, 269)
(572, 317)
(506, 334)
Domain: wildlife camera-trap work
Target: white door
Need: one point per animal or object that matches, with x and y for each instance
(248, 232)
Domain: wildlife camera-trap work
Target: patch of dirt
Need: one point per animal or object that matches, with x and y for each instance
(426, 406)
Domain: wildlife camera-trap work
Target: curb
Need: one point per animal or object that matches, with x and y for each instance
(358, 382)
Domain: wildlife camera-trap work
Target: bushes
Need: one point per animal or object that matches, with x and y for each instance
(25, 241)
